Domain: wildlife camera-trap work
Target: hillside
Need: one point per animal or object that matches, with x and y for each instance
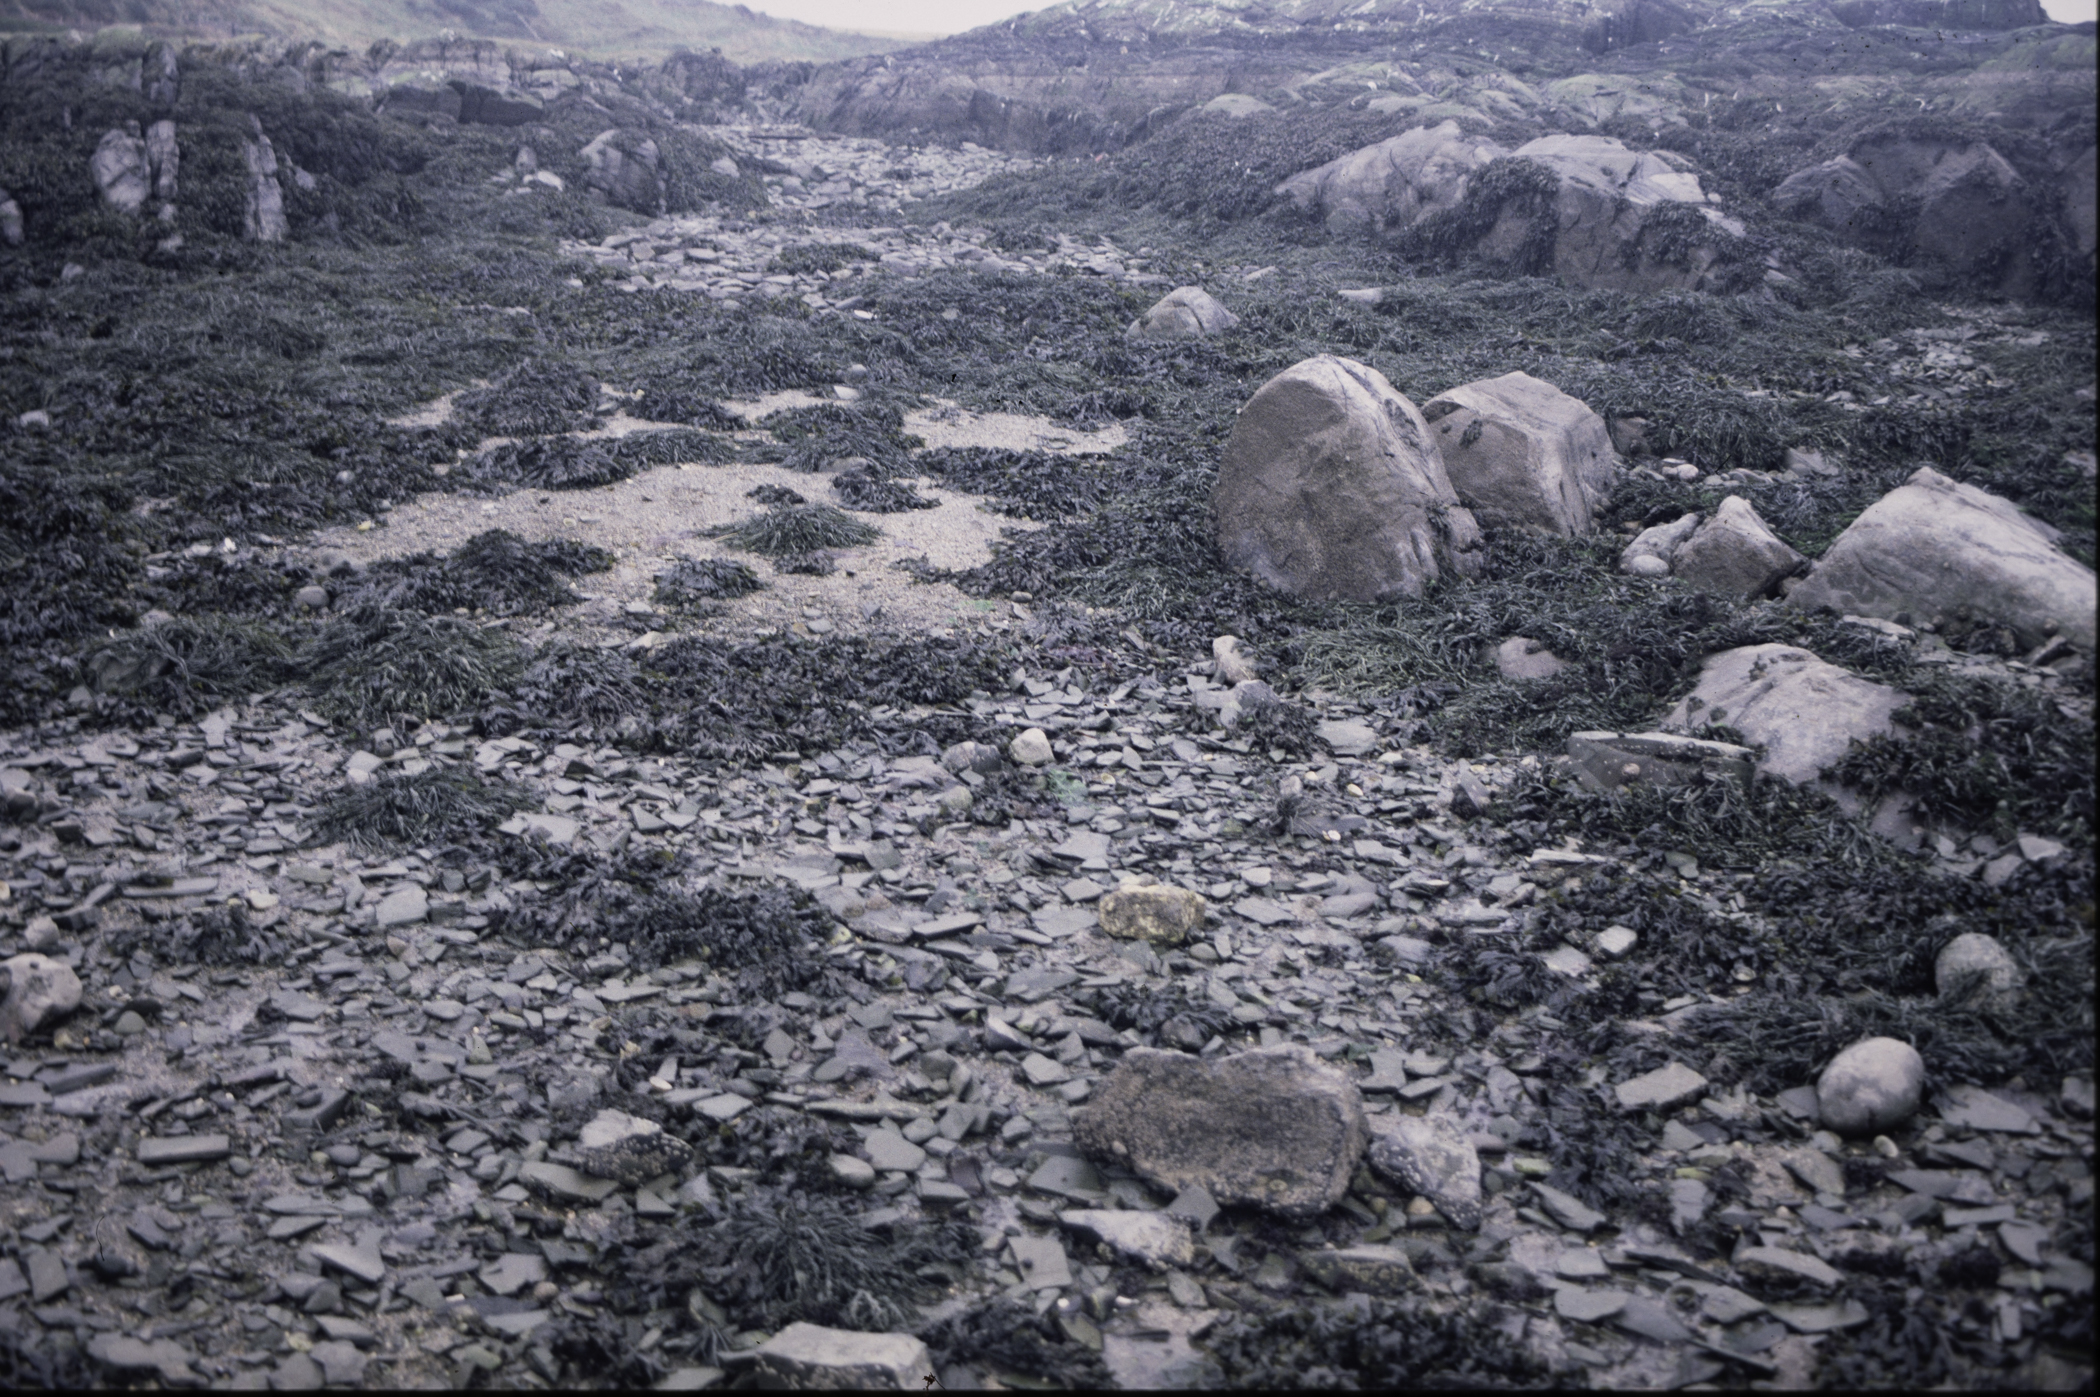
(602, 28)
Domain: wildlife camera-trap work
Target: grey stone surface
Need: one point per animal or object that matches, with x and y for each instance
(1803, 712)
(1870, 1086)
(1155, 912)
(1431, 1156)
(1659, 542)
(1975, 954)
(1157, 1239)
(1521, 657)
(1275, 1128)
(1395, 183)
(1938, 547)
(1187, 312)
(1735, 552)
(1375, 1269)
(1331, 488)
(1667, 1086)
(1520, 451)
(40, 990)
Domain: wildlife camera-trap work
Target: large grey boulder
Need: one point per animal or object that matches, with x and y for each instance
(1520, 451)
(1395, 183)
(1331, 488)
(1185, 313)
(1431, 1156)
(1804, 712)
(1624, 220)
(1934, 547)
(1735, 552)
(123, 174)
(1276, 1128)
(1838, 195)
(624, 167)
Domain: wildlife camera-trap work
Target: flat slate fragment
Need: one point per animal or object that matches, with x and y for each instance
(157, 1150)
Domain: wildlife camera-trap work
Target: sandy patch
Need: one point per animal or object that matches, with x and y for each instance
(949, 425)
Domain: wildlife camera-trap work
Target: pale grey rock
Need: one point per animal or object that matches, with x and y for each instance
(165, 1358)
(1804, 712)
(1615, 941)
(1600, 218)
(122, 173)
(1394, 184)
(262, 217)
(11, 233)
(1974, 953)
(1431, 1156)
(810, 1358)
(1667, 1086)
(1275, 1128)
(1937, 547)
(1331, 488)
(165, 158)
(1871, 1086)
(1234, 666)
(1659, 542)
(1735, 553)
(1159, 1240)
(39, 990)
(404, 906)
(1186, 313)
(1520, 451)
(1522, 658)
(1031, 748)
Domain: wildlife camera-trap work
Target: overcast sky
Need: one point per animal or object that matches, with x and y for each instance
(954, 16)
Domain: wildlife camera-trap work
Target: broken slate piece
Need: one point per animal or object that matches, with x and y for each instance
(809, 1356)
(1275, 1127)
(1373, 1269)
(1570, 1212)
(1972, 1106)
(562, 1182)
(128, 1355)
(512, 1272)
(1159, 1240)
(156, 1151)
(1431, 1156)
(1667, 1086)
(404, 906)
(360, 1259)
(1042, 1262)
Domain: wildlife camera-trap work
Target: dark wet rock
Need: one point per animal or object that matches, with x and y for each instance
(1331, 488)
(1275, 1127)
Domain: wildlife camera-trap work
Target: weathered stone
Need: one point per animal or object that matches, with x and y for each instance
(1670, 1085)
(810, 1358)
(262, 218)
(1934, 547)
(1605, 761)
(1524, 659)
(1659, 544)
(122, 172)
(39, 989)
(1805, 713)
(1602, 219)
(170, 1360)
(1871, 1086)
(1274, 1127)
(1431, 1156)
(157, 1150)
(1735, 553)
(1974, 954)
(404, 906)
(1186, 313)
(1157, 912)
(1157, 1239)
(1520, 451)
(1331, 488)
(1394, 184)
(1234, 666)
(1031, 748)
(1781, 1264)
(1374, 1269)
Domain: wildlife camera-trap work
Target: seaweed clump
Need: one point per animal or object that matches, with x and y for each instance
(534, 399)
(495, 571)
(221, 936)
(551, 463)
(1377, 1346)
(565, 687)
(691, 581)
(796, 529)
(857, 489)
(371, 664)
(765, 941)
(181, 665)
(438, 805)
(1010, 1340)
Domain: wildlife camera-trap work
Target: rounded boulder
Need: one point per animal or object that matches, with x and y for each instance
(1871, 1086)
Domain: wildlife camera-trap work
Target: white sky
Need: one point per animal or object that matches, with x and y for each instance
(954, 16)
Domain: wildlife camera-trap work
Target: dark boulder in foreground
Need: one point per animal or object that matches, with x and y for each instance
(1331, 488)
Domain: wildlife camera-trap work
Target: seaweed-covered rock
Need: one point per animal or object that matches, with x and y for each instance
(1872, 1085)
(1431, 1156)
(1331, 488)
(1519, 450)
(1735, 552)
(123, 176)
(1394, 183)
(1804, 712)
(1152, 912)
(1275, 1128)
(1185, 313)
(1937, 547)
(1975, 954)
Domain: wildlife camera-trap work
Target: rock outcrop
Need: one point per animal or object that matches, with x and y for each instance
(1331, 487)
(262, 217)
(624, 167)
(1934, 547)
(1395, 183)
(1520, 451)
(123, 174)
(1623, 220)
(1804, 712)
